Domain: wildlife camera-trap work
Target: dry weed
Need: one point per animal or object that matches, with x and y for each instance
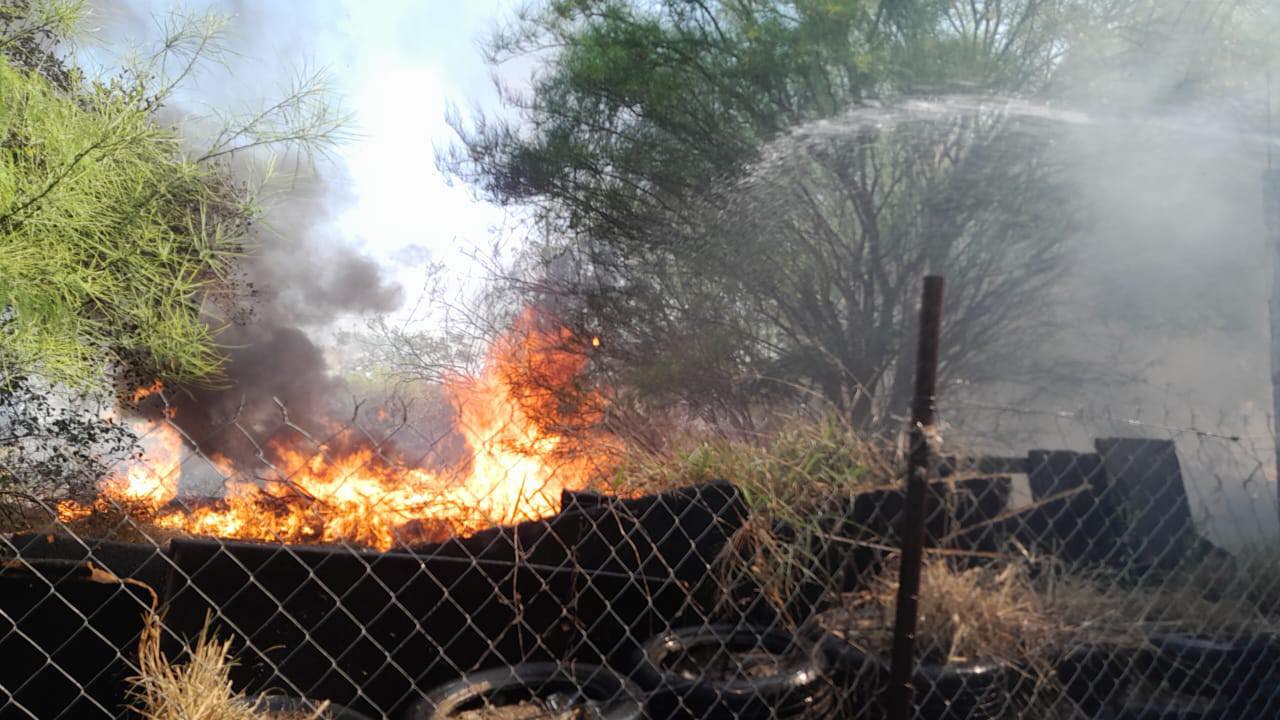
(805, 466)
(1251, 574)
(798, 484)
(1099, 607)
(200, 688)
(1000, 612)
(989, 613)
(983, 613)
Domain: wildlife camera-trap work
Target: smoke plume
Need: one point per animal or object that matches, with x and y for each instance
(301, 273)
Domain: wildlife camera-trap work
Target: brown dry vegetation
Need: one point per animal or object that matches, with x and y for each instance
(980, 613)
(802, 477)
(1000, 612)
(198, 689)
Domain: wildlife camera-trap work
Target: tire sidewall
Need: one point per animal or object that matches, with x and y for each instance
(614, 697)
(957, 690)
(802, 687)
(1207, 666)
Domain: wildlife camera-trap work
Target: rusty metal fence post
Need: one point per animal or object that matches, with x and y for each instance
(922, 419)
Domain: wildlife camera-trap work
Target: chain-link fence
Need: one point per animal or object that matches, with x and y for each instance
(1127, 569)
(1147, 557)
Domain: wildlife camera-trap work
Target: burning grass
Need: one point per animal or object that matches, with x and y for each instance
(527, 420)
(200, 688)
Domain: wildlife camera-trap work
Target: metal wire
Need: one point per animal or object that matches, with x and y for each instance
(1143, 552)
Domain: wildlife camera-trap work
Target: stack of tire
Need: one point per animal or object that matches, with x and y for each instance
(959, 691)
(1177, 676)
(586, 690)
(792, 682)
(666, 680)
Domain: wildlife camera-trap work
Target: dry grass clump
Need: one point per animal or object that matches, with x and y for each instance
(200, 688)
(1000, 612)
(1096, 608)
(984, 613)
(1005, 612)
(803, 479)
(1100, 607)
(759, 560)
(806, 464)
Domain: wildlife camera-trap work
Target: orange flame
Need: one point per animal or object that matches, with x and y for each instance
(521, 419)
(146, 391)
(154, 481)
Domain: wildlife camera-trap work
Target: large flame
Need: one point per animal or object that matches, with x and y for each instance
(520, 419)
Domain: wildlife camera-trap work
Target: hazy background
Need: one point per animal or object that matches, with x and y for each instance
(1168, 287)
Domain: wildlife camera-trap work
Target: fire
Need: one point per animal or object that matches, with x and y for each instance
(156, 480)
(521, 419)
(146, 391)
(143, 484)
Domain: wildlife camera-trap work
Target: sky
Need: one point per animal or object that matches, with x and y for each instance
(397, 66)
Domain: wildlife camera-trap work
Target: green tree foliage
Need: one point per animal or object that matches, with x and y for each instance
(114, 236)
(641, 105)
(109, 236)
(644, 119)
(740, 197)
(118, 242)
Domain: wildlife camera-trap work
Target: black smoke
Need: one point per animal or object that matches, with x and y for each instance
(300, 273)
(298, 277)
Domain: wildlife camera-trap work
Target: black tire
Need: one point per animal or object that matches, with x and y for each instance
(65, 640)
(798, 686)
(1260, 699)
(858, 679)
(962, 691)
(1096, 677)
(1210, 667)
(284, 704)
(610, 696)
(1195, 709)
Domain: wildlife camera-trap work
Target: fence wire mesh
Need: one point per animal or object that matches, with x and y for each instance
(1126, 570)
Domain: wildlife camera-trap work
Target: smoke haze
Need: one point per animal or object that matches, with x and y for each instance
(302, 271)
(1166, 289)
